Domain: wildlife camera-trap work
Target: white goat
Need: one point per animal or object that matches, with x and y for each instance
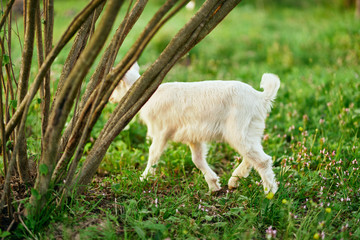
(199, 112)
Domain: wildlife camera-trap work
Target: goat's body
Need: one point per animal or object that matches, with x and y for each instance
(199, 112)
(202, 111)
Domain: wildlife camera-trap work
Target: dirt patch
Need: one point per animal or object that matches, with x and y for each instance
(19, 192)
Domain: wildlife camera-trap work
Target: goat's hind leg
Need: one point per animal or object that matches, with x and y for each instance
(242, 171)
(263, 165)
(254, 156)
(199, 151)
(156, 149)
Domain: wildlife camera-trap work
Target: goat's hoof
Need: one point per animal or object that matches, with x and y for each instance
(216, 186)
(233, 183)
(215, 189)
(273, 189)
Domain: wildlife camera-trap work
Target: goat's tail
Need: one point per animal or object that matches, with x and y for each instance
(270, 83)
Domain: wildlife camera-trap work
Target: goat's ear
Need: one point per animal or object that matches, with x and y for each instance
(135, 67)
(132, 75)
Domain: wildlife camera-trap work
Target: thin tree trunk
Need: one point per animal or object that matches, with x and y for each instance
(77, 48)
(2, 122)
(22, 160)
(64, 102)
(39, 41)
(48, 40)
(8, 86)
(6, 195)
(11, 79)
(25, 14)
(357, 9)
(40, 55)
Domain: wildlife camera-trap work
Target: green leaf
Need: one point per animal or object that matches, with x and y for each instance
(116, 187)
(220, 224)
(9, 144)
(5, 59)
(154, 226)
(43, 169)
(35, 193)
(140, 232)
(13, 103)
(173, 219)
(4, 234)
(144, 211)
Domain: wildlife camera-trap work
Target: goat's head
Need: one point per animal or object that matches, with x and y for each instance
(128, 80)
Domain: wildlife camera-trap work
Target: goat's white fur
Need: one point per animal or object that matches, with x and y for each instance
(198, 112)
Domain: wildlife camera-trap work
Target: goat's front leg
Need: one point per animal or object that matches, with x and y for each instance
(199, 152)
(156, 149)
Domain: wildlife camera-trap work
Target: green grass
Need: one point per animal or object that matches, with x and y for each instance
(312, 134)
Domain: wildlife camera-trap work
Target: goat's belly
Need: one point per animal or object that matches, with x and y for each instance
(192, 134)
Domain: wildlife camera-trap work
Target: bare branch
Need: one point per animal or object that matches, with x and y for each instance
(6, 12)
(49, 24)
(8, 86)
(40, 55)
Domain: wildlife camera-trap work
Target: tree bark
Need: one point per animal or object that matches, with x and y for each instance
(357, 9)
(6, 195)
(48, 40)
(22, 160)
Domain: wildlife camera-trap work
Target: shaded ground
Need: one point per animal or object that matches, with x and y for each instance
(9, 217)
